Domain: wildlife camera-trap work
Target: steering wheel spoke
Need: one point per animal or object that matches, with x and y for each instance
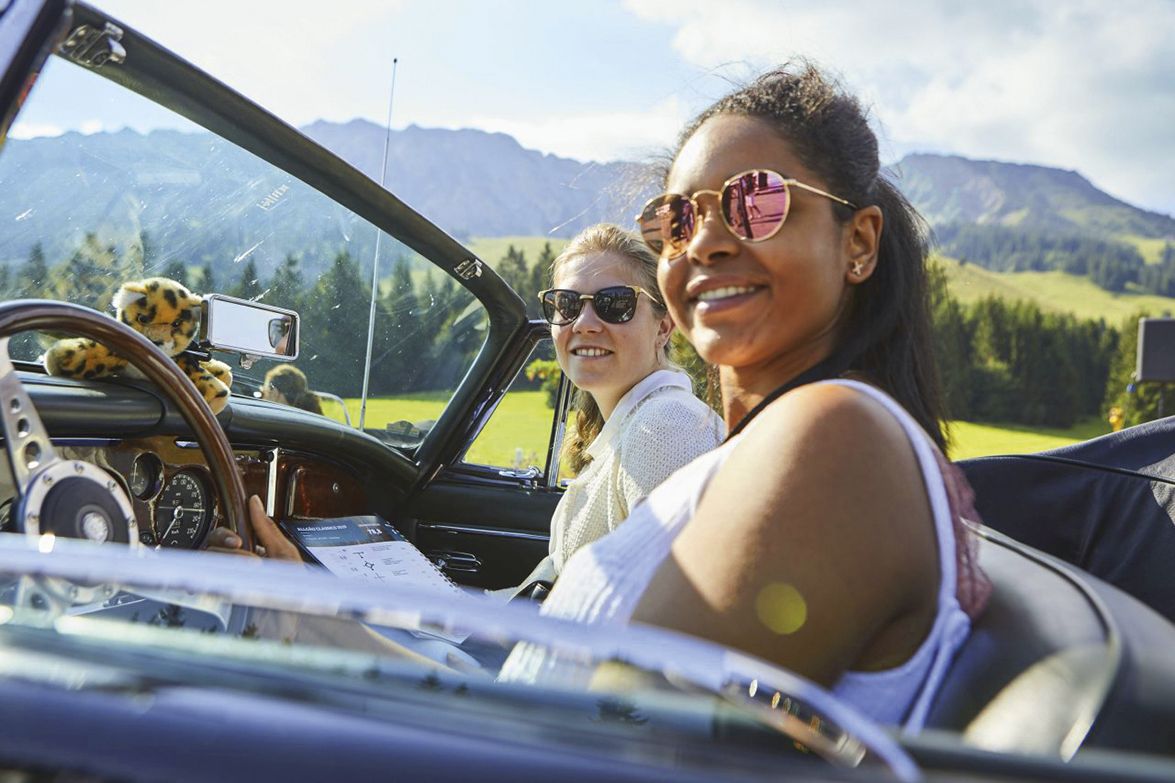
(30, 451)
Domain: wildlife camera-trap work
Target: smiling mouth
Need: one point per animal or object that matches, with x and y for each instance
(590, 352)
(726, 292)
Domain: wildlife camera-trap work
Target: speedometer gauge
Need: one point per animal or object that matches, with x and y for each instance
(183, 511)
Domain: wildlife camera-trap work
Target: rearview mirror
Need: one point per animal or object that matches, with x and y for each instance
(250, 328)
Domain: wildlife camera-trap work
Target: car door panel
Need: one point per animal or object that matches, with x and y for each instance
(482, 533)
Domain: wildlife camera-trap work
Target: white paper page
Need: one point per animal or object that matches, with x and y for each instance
(383, 561)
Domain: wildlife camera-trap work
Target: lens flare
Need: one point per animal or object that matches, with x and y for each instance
(781, 608)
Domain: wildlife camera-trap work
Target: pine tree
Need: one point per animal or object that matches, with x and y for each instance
(1139, 402)
(405, 326)
(248, 286)
(176, 270)
(512, 269)
(207, 279)
(33, 277)
(334, 336)
(90, 276)
(540, 274)
(285, 289)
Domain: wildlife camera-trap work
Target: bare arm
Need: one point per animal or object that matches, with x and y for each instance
(813, 546)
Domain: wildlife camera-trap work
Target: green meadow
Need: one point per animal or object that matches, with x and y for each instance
(1054, 291)
(519, 431)
(493, 249)
(969, 439)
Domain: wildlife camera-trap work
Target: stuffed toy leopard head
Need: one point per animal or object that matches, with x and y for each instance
(162, 310)
(167, 314)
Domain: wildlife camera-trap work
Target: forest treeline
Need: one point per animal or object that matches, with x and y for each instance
(1113, 266)
(1001, 361)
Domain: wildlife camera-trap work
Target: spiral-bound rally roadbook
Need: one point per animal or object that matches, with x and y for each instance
(368, 548)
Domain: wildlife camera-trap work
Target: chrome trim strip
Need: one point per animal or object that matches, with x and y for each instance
(555, 450)
(481, 531)
(271, 485)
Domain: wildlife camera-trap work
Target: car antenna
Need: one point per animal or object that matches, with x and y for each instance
(383, 171)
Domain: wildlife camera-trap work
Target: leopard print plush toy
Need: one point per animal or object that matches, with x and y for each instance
(165, 313)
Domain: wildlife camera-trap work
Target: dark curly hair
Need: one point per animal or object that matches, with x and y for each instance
(885, 334)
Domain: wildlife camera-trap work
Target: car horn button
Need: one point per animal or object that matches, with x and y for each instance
(76, 499)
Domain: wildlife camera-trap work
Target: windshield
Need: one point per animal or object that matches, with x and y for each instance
(90, 209)
(106, 617)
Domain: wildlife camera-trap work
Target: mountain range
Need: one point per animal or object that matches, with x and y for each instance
(952, 189)
(470, 182)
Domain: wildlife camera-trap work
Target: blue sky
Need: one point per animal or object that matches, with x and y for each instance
(1080, 84)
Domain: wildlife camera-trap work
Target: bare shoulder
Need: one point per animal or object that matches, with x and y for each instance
(823, 494)
(828, 433)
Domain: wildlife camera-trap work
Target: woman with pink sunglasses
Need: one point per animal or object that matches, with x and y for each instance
(825, 534)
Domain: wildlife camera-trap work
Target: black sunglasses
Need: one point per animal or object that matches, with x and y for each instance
(615, 304)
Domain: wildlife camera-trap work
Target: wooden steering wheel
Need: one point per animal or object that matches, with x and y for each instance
(76, 499)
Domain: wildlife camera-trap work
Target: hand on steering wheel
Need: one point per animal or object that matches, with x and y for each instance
(270, 541)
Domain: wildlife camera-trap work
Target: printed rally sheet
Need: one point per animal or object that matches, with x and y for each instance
(368, 548)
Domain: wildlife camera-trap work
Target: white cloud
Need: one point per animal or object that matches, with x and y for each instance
(1080, 85)
(294, 58)
(604, 136)
(26, 130)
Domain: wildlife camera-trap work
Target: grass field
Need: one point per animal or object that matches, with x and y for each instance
(518, 433)
(969, 439)
(1151, 249)
(1054, 291)
(492, 249)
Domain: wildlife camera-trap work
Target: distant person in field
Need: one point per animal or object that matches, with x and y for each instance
(287, 384)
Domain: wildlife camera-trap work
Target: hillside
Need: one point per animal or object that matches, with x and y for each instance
(952, 189)
(473, 183)
(142, 188)
(1056, 291)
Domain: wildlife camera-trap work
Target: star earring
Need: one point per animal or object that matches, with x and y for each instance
(858, 268)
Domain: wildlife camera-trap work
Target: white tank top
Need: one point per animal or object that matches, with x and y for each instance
(604, 582)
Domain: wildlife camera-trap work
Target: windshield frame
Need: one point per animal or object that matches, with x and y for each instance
(746, 682)
(166, 79)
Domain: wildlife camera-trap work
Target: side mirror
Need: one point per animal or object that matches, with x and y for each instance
(257, 331)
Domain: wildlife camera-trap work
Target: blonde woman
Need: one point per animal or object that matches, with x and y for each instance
(636, 419)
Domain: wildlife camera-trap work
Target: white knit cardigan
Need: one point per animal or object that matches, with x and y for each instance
(657, 427)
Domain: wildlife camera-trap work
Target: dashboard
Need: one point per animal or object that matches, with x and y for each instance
(171, 491)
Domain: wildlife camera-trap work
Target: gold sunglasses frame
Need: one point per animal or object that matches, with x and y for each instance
(592, 299)
(788, 182)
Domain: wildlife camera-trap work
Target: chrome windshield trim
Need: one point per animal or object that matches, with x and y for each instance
(290, 587)
(482, 531)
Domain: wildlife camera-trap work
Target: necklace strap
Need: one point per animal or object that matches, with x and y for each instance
(833, 366)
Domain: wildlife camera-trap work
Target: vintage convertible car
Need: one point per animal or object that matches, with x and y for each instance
(146, 658)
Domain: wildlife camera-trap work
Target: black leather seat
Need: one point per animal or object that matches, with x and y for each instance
(1106, 506)
(1039, 642)
(1059, 662)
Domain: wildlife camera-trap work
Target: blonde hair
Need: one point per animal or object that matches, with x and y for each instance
(599, 239)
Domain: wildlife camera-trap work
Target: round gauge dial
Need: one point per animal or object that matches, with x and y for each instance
(183, 511)
(146, 472)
